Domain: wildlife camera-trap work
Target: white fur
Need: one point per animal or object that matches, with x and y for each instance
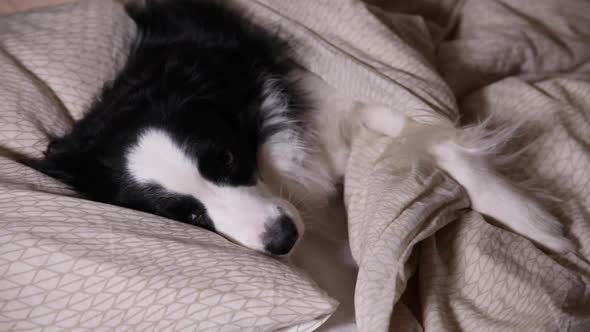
(469, 155)
(494, 196)
(292, 163)
(239, 213)
(275, 103)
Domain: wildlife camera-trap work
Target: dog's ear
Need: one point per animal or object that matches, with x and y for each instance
(63, 161)
(82, 170)
(64, 167)
(57, 146)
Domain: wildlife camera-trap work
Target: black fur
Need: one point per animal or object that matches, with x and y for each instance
(197, 70)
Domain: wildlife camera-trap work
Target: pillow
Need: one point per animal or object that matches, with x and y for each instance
(68, 263)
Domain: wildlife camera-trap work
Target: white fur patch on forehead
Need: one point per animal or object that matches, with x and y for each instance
(157, 158)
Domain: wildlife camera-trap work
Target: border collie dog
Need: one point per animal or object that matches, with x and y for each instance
(212, 122)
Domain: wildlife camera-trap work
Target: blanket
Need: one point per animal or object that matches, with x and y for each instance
(411, 230)
(425, 260)
(410, 227)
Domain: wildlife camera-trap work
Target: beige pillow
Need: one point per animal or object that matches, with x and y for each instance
(69, 263)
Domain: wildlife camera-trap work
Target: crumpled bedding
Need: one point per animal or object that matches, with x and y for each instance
(425, 261)
(429, 263)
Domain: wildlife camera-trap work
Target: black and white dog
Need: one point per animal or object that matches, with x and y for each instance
(212, 122)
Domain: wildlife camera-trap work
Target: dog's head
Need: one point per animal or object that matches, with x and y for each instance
(200, 171)
(180, 139)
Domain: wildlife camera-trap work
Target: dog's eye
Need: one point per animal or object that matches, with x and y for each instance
(228, 159)
(200, 220)
(194, 218)
(197, 219)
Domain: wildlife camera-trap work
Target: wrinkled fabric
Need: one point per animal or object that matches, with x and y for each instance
(426, 262)
(515, 61)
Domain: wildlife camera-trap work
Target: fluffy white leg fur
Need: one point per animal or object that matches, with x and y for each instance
(468, 156)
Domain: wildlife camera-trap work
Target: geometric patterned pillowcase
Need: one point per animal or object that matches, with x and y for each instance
(68, 263)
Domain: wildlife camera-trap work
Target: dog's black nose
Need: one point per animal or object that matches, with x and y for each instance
(281, 235)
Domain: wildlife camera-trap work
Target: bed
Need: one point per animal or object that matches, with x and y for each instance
(424, 260)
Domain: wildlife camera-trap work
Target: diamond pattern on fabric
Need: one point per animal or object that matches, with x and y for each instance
(72, 264)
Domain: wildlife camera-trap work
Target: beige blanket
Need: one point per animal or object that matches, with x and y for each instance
(513, 59)
(516, 60)
(13, 6)
(410, 228)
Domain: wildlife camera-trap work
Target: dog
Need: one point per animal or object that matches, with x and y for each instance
(213, 122)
